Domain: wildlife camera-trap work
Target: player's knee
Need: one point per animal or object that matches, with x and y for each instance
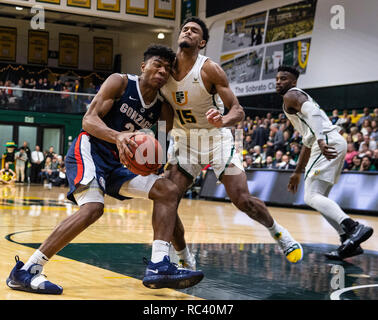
(91, 212)
(308, 198)
(165, 190)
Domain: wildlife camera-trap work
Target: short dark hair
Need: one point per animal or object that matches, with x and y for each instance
(289, 69)
(205, 31)
(160, 51)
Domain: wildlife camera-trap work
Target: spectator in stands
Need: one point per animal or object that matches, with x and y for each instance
(270, 143)
(61, 178)
(8, 90)
(295, 152)
(248, 143)
(358, 138)
(76, 98)
(248, 162)
(375, 158)
(18, 94)
(285, 164)
(261, 134)
(375, 114)
(46, 172)
(37, 159)
(50, 153)
(351, 153)
(374, 130)
(286, 141)
(344, 116)
(277, 141)
(365, 127)
(356, 163)
(264, 152)
(25, 146)
(366, 116)
(296, 138)
(346, 124)
(257, 157)
(363, 150)
(335, 116)
(45, 84)
(278, 158)
(354, 117)
(370, 144)
(21, 159)
(269, 163)
(91, 88)
(366, 164)
(3, 97)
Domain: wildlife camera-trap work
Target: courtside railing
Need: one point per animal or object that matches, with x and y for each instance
(14, 98)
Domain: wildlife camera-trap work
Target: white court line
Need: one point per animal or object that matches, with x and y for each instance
(336, 294)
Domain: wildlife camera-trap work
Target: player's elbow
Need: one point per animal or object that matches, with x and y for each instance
(86, 122)
(241, 113)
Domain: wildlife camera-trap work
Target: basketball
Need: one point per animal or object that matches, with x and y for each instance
(147, 156)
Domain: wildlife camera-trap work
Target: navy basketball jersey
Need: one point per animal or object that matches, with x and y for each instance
(130, 113)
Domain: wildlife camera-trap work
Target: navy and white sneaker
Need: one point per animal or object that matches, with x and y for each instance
(31, 280)
(166, 274)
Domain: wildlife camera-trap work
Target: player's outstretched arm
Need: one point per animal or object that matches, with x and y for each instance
(215, 75)
(295, 178)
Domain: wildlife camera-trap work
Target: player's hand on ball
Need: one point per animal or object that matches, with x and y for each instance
(123, 142)
(215, 118)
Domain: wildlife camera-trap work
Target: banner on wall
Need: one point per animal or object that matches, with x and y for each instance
(244, 32)
(38, 47)
(255, 46)
(291, 21)
(108, 5)
(103, 53)
(8, 43)
(68, 50)
(50, 1)
(165, 9)
(189, 8)
(139, 7)
(79, 3)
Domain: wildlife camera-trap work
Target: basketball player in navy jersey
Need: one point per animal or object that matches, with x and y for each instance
(123, 105)
(322, 159)
(198, 90)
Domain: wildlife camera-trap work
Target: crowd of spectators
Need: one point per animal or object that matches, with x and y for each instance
(27, 166)
(271, 142)
(13, 97)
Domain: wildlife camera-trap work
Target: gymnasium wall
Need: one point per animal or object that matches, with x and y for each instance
(335, 56)
(71, 123)
(355, 192)
(129, 44)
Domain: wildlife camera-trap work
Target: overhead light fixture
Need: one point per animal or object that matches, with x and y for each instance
(19, 8)
(161, 35)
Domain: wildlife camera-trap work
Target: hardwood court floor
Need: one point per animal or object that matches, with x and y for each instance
(105, 261)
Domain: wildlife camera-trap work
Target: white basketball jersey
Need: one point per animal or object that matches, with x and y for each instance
(300, 122)
(190, 99)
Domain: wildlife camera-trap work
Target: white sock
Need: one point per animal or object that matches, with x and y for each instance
(37, 258)
(275, 229)
(160, 249)
(184, 254)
